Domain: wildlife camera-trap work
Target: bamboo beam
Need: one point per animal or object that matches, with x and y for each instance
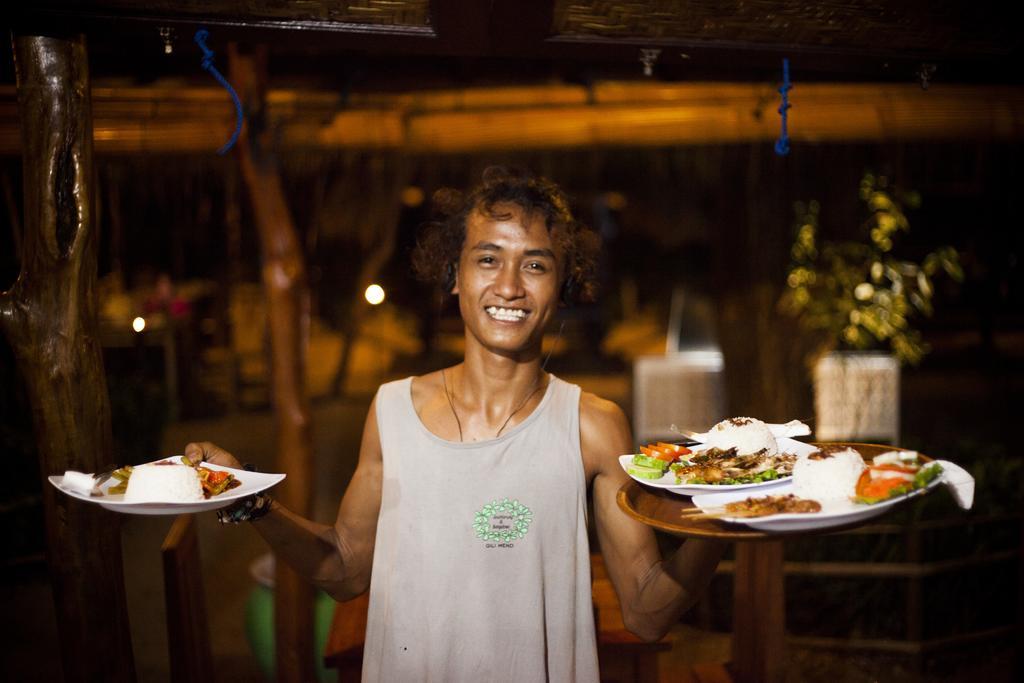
(49, 316)
(191, 120)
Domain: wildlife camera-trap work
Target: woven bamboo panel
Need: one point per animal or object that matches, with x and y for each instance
(384, 12)
(684, 388)
(938, 26)
(857, 398)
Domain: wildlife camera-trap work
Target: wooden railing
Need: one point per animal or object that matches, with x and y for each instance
(914, 570)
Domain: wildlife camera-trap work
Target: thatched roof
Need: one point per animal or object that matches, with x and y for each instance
(964, 40)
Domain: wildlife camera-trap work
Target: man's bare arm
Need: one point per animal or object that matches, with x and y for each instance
(652, 593)
(335, 558)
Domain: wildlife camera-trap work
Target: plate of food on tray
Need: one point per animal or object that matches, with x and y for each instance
(836, 485)
(171, 486)
(737, 454)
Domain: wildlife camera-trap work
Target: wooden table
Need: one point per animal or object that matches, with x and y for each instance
(759, 611)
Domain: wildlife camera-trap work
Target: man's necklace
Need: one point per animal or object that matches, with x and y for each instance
(536, 385)
(448, 394)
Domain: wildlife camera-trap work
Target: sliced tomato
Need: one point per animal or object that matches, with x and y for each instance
(663, 452)
(675, 448)
(880, 488)
(217, 476)
(656, 452)
(652, 452)
(865, 479)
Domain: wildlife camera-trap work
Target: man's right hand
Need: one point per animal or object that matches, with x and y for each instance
(337, 558)
(204, 451)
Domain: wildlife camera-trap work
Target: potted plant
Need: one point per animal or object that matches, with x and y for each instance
(861, 299)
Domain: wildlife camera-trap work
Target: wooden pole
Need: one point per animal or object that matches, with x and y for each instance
(49, 316)
(381, 182)
(759, 613)
(287, 294)
(765, 378)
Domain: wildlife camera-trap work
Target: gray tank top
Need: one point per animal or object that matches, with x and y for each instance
(481, 570)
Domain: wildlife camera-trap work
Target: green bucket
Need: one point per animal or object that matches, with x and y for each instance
(259, 627)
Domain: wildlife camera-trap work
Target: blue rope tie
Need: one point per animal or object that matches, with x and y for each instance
(200, 38)
(782, 144)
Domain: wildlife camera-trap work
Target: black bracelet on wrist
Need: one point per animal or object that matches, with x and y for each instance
(247, 509)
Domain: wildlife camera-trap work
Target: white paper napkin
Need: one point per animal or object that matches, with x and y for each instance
(787, 430)
(959, 482)
(78, 481)
(790, 429)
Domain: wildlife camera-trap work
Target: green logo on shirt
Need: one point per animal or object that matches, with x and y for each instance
(502, 521)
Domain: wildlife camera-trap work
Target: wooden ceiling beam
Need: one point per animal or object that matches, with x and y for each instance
(197, 120)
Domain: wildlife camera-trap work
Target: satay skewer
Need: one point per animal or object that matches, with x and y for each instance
(711, 513)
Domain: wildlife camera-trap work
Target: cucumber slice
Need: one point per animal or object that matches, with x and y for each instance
(648, 461)
(645, 472)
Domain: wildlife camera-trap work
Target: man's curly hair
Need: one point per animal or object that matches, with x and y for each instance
(439, 246)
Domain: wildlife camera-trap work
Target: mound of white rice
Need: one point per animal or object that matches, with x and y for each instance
(159, 483)
(827, 474)
(746, 434)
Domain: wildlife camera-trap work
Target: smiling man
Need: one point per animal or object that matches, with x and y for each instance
(467, 515)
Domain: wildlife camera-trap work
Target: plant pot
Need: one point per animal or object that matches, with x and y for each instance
(857, 397)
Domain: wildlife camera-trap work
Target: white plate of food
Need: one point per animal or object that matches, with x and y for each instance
(795, 507)
(156, 503)
(670, 482)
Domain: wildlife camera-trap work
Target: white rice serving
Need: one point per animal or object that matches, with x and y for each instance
(827, 474)
(747, 435)
(170, 483)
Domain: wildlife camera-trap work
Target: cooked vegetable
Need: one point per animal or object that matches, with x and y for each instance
(122, 476)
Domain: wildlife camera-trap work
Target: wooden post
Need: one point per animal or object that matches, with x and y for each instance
(287, 290)
(767, 379)
(233, 227)
(383, 179)
(759, 613)
(49, 316)
(188, 632)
